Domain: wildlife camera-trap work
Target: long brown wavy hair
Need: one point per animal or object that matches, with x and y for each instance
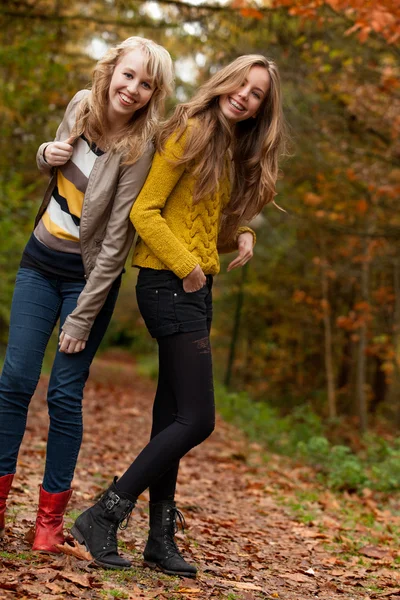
(254, 144)
(92, 113)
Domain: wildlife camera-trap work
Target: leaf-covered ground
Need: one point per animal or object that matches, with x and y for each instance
(259, 526)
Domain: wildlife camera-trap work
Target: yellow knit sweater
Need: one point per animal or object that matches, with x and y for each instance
(174, 233)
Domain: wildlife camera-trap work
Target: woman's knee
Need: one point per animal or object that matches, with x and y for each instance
(66, 386)
(203, 428)
(65, 408)
(18, 382)
(208, 428)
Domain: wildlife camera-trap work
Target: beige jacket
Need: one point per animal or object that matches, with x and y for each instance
(106, 233)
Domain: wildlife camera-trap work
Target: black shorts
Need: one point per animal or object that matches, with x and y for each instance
(166, 308)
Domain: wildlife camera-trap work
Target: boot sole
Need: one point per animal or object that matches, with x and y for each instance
(80, 538)
(157, 567)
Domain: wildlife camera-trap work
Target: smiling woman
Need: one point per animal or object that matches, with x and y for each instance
(72, 264)
(215, 169)
(131, 88)
(244, 102)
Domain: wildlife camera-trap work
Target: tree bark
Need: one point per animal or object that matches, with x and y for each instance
(393, 393)
(361, 396)
(236, 325)
(329, 369)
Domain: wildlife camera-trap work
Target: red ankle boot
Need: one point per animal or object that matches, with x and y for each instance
(50, 521)
(5, 485)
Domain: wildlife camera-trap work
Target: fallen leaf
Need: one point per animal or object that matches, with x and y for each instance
(374, 552)
(54, 587)
(77, 550)
(76, 578)
(243, 585)
(386, 594)
(9, 585)
(297, 577)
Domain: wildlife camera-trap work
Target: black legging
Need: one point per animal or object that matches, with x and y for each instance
(183, 414)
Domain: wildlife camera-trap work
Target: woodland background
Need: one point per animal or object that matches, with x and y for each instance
(309, 332)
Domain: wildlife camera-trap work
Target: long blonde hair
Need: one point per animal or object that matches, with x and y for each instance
(92, 113)
(254, 144)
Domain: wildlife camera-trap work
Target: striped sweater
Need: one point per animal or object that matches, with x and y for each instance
(54, 247)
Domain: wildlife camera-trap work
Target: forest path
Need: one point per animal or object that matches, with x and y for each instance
(248, 532)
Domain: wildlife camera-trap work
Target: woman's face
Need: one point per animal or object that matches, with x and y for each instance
(131, 87)
(244, 102)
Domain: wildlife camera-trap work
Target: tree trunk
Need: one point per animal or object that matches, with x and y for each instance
(329, 370)
(361, 396)
(236, 325)
(379, 387)
(394, 389)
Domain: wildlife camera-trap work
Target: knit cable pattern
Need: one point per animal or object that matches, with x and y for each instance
(176, 234)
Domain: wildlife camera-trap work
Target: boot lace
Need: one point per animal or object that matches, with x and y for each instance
(176, 514)
(112, 543)
(125, 520)
(171, 529)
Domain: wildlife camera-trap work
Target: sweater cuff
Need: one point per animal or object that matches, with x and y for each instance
(80, 333)
(185, 267)
(245, 230)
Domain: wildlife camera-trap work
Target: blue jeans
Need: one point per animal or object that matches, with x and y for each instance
(38, 303)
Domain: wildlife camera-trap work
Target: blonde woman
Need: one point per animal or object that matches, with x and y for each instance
(72, 264)
(215, 169)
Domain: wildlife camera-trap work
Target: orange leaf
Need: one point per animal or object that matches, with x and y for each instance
(77, 550)
(251, 13)
(312, 199)
(362, 206)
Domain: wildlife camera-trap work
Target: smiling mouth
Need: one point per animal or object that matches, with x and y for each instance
(126, 99)
(236, 105)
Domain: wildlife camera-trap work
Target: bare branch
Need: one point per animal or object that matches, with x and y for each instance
(56, 18)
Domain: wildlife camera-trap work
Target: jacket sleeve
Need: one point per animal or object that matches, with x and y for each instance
(232, 245)
(63, 131)
(146, 212)
(114, 250)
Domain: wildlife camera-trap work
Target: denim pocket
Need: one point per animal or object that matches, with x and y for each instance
(166, 308)
(190, 306)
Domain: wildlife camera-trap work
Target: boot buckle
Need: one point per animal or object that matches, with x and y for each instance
(112, 500)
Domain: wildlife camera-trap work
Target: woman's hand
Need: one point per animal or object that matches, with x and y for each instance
(58, 153)
(245, 248)
(195, 280)
(69, 344)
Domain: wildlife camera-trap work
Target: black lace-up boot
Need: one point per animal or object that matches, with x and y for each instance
(161, 550)
(97, 528)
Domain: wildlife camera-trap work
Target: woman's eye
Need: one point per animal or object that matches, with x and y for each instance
(256, 95)
(128, 75)
(146, 85)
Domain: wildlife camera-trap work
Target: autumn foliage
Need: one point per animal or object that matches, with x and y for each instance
(320, 310)
(381, 17)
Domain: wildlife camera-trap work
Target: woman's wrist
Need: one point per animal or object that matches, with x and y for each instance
(243, 230)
